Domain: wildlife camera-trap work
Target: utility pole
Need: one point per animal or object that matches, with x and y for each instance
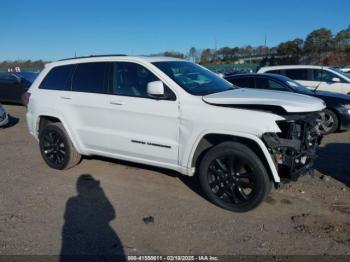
(215, 48)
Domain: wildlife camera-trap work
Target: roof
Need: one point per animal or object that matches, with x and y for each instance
(111, 58)
(266, 68)
(267, 75)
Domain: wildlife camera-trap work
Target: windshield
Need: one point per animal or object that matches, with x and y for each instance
(341, 73)
(195, 79)
(298, 87)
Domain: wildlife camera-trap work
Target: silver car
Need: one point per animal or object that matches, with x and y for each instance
(3, 116)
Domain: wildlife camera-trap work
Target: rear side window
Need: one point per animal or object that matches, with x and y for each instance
(90, 78)
(264, 83)
(297, 74)
(242, 81)
(58, 78)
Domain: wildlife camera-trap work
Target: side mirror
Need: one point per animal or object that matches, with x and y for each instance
(155, 89)
(335, 79)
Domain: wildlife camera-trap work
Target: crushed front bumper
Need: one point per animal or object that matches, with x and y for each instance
(294, 149)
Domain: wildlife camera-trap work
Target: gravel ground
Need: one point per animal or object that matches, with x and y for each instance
(132, 209)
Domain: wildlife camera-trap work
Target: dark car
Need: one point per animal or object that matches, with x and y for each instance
(335, 117)
(14, 85)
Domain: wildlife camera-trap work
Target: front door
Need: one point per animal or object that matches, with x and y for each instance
(144, 128)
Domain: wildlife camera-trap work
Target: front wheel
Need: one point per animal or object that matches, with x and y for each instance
(329, 122)
(233, 177)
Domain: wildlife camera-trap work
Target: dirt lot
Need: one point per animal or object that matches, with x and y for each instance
(141, 210)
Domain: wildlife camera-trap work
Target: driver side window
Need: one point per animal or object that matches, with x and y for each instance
(130, 79)
(324, 76)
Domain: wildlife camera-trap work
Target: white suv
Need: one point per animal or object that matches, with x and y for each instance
(315, 77)
(177, 115)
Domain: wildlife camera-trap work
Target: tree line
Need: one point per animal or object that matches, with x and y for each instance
(25, 64)
(320, 46)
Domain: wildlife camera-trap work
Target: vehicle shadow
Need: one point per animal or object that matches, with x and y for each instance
(87, 234)
(12, 122)
(333, 160)
(191, 182)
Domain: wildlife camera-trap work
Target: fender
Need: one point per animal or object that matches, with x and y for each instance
(76, 143)
(190, 153)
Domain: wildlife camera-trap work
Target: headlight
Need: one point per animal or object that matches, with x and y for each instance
(347, 107)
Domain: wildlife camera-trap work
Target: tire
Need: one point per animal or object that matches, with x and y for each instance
(329, 122)
(56, 148)
(227, 171)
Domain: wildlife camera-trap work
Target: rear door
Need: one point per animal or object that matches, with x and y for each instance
(86, 107)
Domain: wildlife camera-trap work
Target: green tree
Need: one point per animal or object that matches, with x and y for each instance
(174, 54)
(318, 41)
(290, 51)
(206, 56)
(342, 41)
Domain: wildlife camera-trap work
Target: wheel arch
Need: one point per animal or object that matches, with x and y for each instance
(45, 119)
(208, 140)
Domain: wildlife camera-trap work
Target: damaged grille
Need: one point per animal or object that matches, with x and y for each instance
(294, 148)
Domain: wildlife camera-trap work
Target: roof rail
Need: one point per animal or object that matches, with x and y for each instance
(79, 57)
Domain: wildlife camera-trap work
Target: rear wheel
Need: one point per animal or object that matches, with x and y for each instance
(329, 122)
(56, 147)
(233, 177)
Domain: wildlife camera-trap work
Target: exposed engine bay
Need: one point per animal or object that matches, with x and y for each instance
(294, 148)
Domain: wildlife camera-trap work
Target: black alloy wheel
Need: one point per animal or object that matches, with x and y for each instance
(56, 148)
(233, 177)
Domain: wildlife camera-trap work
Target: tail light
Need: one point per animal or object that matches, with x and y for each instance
(26, 98)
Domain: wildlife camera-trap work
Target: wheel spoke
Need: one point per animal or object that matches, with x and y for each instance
(246, 175)
(240, 192)
(221, 165)
(232, 179)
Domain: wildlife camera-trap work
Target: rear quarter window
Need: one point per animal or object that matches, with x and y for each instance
(58, 78)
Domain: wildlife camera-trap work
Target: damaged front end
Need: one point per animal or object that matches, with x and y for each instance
(294, 148)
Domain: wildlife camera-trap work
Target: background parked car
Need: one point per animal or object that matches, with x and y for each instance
(314, 77)
(14, 85)
(335, 117)
(3, 117)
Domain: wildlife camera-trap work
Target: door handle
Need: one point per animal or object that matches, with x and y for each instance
(65, 97)
(116, 103)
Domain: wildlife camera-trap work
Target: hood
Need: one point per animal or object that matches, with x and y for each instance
(336, 96)
(249, 97)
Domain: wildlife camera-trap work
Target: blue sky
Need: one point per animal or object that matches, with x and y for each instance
(49, 29)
